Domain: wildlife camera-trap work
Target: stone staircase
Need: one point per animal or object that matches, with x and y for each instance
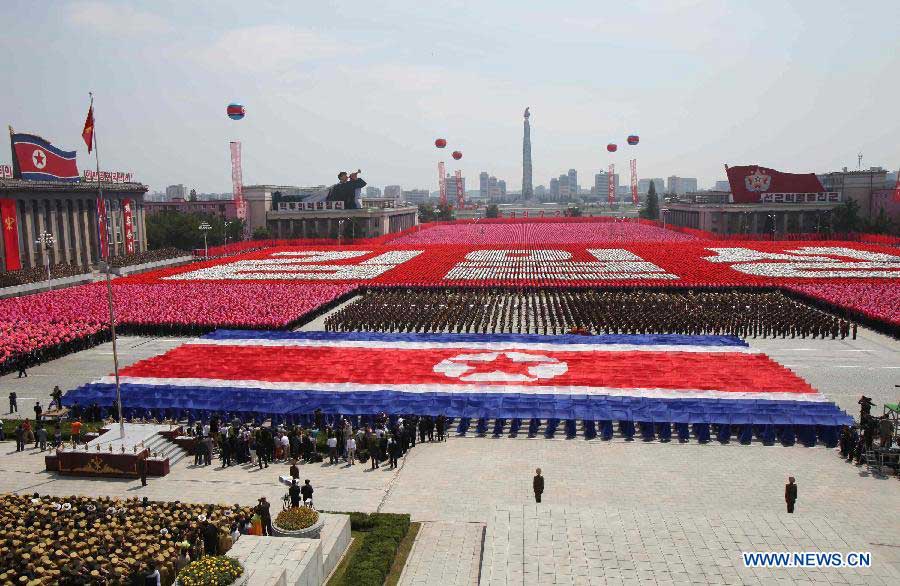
(166, 448)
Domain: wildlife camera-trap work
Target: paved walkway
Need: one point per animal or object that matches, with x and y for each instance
(445, 554)
(614, 512)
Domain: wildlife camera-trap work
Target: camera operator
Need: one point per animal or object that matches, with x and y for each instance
(346, 189)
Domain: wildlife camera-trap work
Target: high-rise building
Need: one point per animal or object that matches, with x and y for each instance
(722, 186)
(372, 191)
(540, 192)
(601, 184)
(527, 190)
(450, 186)
(489, 187)
(483, 184)
(644, 185)
(414, 196)
(681, 185)
(394, 191)
(573, 182)
(174, 192)
(564, 188)
(554, 189)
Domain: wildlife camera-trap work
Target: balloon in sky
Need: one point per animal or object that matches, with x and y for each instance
(457, 155)
(611, 147)
(235, 111)
(440, 143)
(633, 139)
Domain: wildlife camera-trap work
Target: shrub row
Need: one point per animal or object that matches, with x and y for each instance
(372, 562)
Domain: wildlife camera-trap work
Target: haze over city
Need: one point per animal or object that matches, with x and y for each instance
(799, 86)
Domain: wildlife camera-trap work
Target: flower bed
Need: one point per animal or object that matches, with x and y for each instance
(277, 287)
(215, 570)
(541, 232)
(297, 518)
(47, 323)
(81, 540)
(299, 522)
(873, 300)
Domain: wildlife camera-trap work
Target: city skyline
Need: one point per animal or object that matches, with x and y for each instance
(371, 87)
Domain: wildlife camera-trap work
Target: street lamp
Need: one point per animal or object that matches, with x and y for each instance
(774, 224)
(225, 230)
(205, 227)
(45, 242)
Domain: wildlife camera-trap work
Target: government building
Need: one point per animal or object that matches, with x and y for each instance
(760, 201)
(68, 212)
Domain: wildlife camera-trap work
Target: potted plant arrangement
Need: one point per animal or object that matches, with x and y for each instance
(212, 570)
(298, 522)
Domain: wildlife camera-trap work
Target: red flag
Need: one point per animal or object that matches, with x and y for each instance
(88, 133)
(897, 189)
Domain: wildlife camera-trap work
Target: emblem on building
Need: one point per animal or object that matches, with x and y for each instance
(758, 181)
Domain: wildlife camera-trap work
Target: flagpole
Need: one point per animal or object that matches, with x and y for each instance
(109, 292)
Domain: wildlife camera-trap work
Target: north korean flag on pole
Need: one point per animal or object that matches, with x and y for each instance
(38, 160)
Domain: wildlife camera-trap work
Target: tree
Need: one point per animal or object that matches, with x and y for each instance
(573, 212)
(492, 211)
(880, 224)
(426, 213)
(180, 230)
(193, 195)
(445, 212)
(650, 211)
(845, 217)
(261, 233)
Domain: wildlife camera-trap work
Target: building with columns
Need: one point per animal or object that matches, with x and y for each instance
(328, 219)
(712, 212)
(68, 211)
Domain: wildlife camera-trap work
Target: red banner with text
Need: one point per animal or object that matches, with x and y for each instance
(10, 234)
(128, 217)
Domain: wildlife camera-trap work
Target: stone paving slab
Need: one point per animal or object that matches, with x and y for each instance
(444, 554)
(534, 544)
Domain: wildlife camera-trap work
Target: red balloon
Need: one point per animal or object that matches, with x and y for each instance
(440, 143)
(611, 147)
(457, 155)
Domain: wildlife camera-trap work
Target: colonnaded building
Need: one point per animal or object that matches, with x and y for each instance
(68, 212)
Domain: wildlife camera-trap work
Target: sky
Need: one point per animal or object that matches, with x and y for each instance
(328, 86)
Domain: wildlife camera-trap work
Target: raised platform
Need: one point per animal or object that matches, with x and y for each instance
(111, 454)
(293, 561)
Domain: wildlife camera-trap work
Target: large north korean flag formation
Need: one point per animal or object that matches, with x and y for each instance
(38, 160)
(637, 378)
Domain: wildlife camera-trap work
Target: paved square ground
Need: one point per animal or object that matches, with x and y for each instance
(614, 512)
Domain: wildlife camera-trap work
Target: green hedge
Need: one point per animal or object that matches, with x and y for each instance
(372, 562)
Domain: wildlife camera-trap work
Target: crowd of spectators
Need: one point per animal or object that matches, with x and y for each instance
(379, 440)
(139, 258)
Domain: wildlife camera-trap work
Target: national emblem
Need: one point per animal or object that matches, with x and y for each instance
(758, 181)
